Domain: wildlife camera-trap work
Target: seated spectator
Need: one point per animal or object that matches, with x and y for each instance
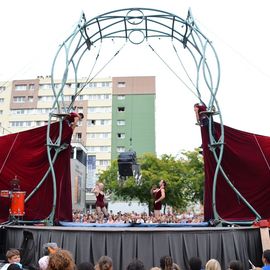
(195, 263)
(104, 263)
(14, 266)
(212, 264)
(175, 266)
(136, 265)
(48, 248)
(236, 265)
(43, 263)
(265, 260)
(85, 266)
(166, 263)
(13, 257)
(61, 260)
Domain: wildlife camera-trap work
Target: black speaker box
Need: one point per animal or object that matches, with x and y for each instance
(125, 168)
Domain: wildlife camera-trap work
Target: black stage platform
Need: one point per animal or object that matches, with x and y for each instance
(123, 244)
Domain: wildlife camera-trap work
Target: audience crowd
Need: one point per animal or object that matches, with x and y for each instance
(133, 217)
(60, 259)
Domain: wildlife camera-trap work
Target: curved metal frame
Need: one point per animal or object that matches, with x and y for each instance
(148, 23)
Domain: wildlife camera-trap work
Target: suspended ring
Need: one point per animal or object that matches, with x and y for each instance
(135, 16)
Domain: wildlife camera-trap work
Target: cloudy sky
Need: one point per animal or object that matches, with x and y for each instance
(31, 32)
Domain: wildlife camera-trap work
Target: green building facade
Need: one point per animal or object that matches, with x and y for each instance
(133, 115)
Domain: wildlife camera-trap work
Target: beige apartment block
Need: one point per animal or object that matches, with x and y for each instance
(26, 104)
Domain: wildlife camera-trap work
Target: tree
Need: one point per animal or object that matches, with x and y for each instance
(184, 177)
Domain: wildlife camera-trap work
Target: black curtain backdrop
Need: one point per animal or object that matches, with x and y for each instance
(148, 245)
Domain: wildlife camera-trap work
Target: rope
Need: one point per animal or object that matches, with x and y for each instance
(170, 68)
(9, 152)
(262, 152)
(102, 68)
(178, 57)
(88, 78)
(108, 61)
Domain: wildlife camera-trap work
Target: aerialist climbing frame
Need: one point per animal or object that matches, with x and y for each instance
(137, 25)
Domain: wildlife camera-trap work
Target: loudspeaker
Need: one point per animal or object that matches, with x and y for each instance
(127, 157)
(126, 161)
(125, 169)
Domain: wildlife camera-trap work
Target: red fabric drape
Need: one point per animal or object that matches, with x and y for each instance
(24, 155)
(246, 162)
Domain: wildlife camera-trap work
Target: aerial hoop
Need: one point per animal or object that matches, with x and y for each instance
(137, 25)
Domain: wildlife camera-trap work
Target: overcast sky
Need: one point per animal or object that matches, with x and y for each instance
(32, 30)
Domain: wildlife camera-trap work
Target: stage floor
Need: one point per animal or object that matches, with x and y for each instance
(148, 244)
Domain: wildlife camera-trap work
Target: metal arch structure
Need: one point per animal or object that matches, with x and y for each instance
(137, 25)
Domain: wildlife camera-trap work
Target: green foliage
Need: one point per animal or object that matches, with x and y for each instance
(184, 177)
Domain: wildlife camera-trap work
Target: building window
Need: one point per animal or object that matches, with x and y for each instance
(106, 109)
(2, 100)
(121, 84)
(57, 85)
(103, 162)
(79, 124)
(121, 122)
(67, 98)
(99, 135)
(120, 149)
(30, 99)
(80, 109)
(121, 109)
(92, 122)
(31, 86)
(20, 99)
(1, 111)
(96, 149)
(121, 97)
(78, 137)
(121, 135)
(105, 84)
(22, 124)
(21, 87)
(2, 88)
(103, 122)
(22, 111)
(99, 122)
(98, 97)
(92, 84)
(45, 86)
(46, 98)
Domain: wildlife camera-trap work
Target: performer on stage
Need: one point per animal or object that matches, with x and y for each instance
(100, 204)
(73, 119)
(159, 196)
(201, 118)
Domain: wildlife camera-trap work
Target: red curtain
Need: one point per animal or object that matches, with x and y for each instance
(24, 155)
(246, 162)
